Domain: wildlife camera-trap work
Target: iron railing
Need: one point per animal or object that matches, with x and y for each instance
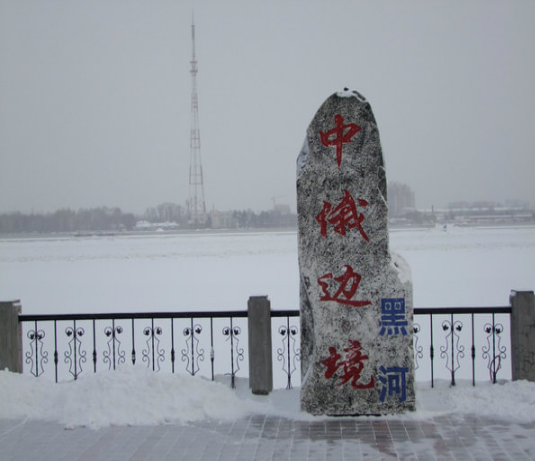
(462, 329)
(289, 353)
(161, 340)
(155, 338)
(449, 328)
(150, 337)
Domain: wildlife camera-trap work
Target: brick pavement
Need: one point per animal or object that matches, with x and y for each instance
(259, 437)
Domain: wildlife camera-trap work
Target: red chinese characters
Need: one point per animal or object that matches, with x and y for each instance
(344, 216)
(352, 365)
(342, 135)
(348, 284)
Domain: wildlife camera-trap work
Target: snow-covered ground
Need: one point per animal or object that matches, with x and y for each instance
(135, 396)
(219, 271)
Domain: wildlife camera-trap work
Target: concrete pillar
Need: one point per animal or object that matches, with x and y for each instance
(523, 335)
(10, 336)
(260, 356)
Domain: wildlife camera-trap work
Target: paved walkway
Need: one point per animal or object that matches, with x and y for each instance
(261, 437)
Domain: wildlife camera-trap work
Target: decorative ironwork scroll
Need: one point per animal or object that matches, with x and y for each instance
(153, 354)
(233, 332)
(75, 356)
(114, 355)
(36, 357)
(288, 354)
(494, 352)
(418, 350)
(192, 354)
(453, 351)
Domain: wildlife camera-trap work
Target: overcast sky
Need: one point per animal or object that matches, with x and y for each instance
(95, 97)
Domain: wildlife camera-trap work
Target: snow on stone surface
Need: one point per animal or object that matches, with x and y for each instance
(349, 93)
(133, 396)
(403, 269)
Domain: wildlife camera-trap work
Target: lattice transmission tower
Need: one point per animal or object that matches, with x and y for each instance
(196, 205)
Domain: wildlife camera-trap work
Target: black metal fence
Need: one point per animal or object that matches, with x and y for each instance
(211, 343)
(465, 341)
(206, 343)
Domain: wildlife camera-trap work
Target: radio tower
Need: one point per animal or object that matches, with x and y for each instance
(196, 205)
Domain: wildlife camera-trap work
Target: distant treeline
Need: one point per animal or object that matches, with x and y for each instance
(105, 219)
(244, 219)
(67, 220)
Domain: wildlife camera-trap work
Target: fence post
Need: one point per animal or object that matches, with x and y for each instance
(260, 355)
(10, 336)
(523, 335)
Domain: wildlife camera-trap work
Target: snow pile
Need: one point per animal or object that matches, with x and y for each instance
(509, 401)
(134, 396)
(129, 396)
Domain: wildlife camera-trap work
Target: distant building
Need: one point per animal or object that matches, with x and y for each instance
(400, 199)
(282, 208)
(155, 226)
(222, 219)
(488, 212)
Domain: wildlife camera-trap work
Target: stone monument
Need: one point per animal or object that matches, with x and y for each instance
(356, 297)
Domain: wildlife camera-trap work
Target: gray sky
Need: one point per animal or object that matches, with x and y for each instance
(95, 97)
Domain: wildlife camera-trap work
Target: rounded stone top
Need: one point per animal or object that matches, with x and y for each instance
(349, 93)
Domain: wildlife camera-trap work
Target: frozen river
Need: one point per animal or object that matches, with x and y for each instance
(219, 271)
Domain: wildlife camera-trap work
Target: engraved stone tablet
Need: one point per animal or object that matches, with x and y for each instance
(356, 298)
